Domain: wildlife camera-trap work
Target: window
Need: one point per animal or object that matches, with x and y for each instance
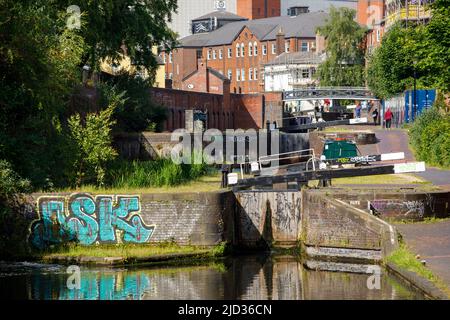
(287, 46)
(255, 74)
(242, 75)
(378, 35)
(305, 73)
(255, 49)
(230, 52)
(170, 57)
(230, 74)
(264, 50)
(250, 49)
(238, 75)
(274, 48)
(305, 47)
(214, 55)
(220, 54)
(208, 55)
(250, 74)
(170, 76)
(164, 57)
(242, 50)
(238, 50)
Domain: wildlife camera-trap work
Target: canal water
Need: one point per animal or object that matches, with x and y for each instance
(259, 277)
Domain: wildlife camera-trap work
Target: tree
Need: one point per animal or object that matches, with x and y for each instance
(391, 67)
(40, 65)
(436, 50)
(109, 27)
(344, 65)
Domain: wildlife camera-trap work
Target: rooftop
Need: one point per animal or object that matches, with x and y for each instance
(221, 15)
(296, 58)
(301, 26)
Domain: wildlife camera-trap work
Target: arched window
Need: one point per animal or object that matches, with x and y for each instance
(255, 48)
(250, 49)
(242, 50)
(237, 50)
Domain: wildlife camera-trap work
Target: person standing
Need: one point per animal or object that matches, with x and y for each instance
(375, 115)
(388, 118)
(358, 110)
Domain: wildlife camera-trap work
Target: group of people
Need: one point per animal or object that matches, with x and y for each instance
(388, 115)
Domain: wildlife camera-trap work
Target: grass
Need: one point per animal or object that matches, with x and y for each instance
(427, 220)
(379, 180)
(128, 251)
(209, 183)
(405, 259)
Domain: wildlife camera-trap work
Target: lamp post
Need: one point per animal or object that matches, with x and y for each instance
(415, 90)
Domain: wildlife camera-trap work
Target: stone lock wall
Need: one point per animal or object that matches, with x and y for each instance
(334, 228)
(268, 217)
(399, 205)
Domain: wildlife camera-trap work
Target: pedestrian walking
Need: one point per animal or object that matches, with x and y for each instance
(388, 118)
(375, 115)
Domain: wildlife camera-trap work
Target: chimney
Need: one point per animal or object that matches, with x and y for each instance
(280, 41)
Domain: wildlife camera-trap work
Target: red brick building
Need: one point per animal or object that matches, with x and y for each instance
(258, 9)
(239, 50)
(371, 14)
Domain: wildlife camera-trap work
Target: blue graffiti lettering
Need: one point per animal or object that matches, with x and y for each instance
(89, 220)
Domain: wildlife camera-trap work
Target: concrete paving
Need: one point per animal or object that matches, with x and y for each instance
(432, 243)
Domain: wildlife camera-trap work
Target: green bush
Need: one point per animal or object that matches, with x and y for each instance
(430, 137)
(14, 221)
(92, 146)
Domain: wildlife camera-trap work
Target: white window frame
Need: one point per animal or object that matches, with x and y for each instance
(255, 49)
(238, 74)
(287, 46)
(208, 55)
(170, 57)
(250, 74)
(255, 74)
(220, 54)
(264, 50)
(230, 74)
(230, 53)
(274, 48)
(242, 50)
(238, 50)
(243, 75)
(214, 54)
(307, 46)
(250, 49)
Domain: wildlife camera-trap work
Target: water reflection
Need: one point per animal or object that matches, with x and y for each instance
(249, 277)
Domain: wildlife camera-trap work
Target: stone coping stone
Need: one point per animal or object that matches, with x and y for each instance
(121, 261)
(340, 267)
(417, 281)
(344, 254)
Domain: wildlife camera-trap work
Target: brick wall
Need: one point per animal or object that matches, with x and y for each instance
(333, 224)
(227, 111)
(204, 219)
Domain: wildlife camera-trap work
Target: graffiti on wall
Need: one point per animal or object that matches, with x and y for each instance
(87, 220)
